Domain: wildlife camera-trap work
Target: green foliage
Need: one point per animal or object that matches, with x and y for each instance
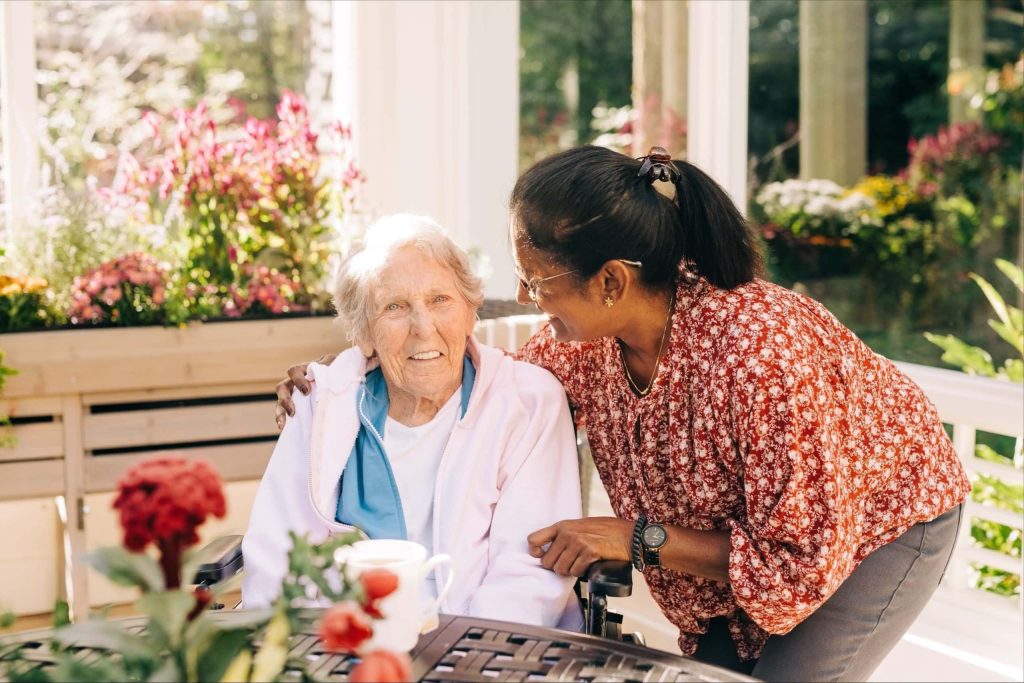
(71, 233)
(182, 641)
(988, 489)
(1008, 324)
(7, 438)
(126, 568)
(995, 581)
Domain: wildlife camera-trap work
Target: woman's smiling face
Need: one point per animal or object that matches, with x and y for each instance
(419, 326)
(574, 310)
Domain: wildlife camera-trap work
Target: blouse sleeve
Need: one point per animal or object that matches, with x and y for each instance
(565, 360)
(796, 545)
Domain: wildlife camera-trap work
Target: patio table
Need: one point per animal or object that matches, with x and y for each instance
(469, 649)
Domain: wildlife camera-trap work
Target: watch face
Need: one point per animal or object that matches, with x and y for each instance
(654, 536)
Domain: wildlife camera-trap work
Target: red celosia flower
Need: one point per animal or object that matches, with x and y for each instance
(382, 666)
(163, 501)
(344, 628)
(377, 584)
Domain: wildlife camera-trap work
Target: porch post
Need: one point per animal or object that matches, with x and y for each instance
(432, 90)
(716, 141)
(833, 90)
(966, 59)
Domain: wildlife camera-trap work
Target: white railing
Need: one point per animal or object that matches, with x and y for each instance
(971, 405)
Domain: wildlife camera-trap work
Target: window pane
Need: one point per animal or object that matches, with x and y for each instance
(885, 142)
(574, 75)
(102, 64)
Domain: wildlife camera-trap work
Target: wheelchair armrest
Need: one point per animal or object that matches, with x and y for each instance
(222, 559)
(610, 577)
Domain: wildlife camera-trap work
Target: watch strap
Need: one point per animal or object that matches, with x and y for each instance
(637, 547)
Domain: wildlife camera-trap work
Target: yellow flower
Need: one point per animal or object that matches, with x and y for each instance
(12, 285)
(891, 194)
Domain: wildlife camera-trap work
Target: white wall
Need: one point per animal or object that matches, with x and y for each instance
(432, 91)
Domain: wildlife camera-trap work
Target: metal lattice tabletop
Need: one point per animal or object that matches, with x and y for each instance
(465, 649)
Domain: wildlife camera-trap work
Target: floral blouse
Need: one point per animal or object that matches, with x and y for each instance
(770, 419)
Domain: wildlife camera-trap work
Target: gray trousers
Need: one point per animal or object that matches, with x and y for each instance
(852, 632)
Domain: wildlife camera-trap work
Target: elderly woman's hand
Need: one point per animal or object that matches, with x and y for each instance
(573, 545)
(296, 380)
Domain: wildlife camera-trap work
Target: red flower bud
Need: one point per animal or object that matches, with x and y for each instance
(344, 628)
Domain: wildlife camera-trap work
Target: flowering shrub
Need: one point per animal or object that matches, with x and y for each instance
(23, 303)
(266, 292)
(818, 210)
(162, 503)
(129, 290)
(959, 159)
(271, 194)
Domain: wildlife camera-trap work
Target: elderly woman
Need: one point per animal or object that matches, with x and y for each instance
(418, 432)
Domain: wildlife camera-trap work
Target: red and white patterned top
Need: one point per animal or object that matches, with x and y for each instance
(770, 419)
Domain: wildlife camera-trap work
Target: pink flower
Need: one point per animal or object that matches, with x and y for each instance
(111, 296)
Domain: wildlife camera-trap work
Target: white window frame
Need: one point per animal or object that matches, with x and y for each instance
(19, 115)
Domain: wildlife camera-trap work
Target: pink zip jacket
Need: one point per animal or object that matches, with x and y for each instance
(509, 468)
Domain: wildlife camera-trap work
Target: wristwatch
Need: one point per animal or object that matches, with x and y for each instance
(653, 537)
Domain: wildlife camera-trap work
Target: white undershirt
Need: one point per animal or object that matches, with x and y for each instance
(415, 454)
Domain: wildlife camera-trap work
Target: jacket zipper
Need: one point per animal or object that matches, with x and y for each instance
(331, 524)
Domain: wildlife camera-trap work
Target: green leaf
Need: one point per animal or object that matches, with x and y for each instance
(101, 670)
(1011, 271)
(222, 649)
(127, 569)
(61, 613)
(1013, 370)
(994, 298)
(970, 359)
(168, 612)
(107, 636)
(1009, 335)
(167, 673)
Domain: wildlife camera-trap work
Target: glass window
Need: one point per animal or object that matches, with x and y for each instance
(574, 75)
(885, 154)
(104, 64)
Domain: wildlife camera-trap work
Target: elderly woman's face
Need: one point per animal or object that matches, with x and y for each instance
(419, 324)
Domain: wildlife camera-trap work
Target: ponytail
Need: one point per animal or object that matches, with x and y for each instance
(716, 238)
(588, 205)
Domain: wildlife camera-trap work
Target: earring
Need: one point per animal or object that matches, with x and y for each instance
(609, 302)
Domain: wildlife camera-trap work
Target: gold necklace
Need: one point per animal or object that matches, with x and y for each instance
(657, 361)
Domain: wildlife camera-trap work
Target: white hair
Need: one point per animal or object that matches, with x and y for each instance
(360, 272)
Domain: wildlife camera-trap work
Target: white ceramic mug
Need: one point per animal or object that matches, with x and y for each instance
(408, 611)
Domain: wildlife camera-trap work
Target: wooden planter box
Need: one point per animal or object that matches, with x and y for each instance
(88, 404)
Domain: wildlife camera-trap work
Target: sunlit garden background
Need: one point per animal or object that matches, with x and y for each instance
(201, 161)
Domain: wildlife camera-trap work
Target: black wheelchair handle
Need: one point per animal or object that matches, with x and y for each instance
(613, 578)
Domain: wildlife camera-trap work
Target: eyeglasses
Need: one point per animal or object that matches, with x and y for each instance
(531, 285)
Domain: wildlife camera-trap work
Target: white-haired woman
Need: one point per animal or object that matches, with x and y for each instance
(419, 432)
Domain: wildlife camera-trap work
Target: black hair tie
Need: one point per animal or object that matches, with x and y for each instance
(658, 166)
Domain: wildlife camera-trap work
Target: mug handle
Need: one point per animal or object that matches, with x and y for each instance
(428, 566)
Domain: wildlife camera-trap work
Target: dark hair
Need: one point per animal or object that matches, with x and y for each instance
(586, 206)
